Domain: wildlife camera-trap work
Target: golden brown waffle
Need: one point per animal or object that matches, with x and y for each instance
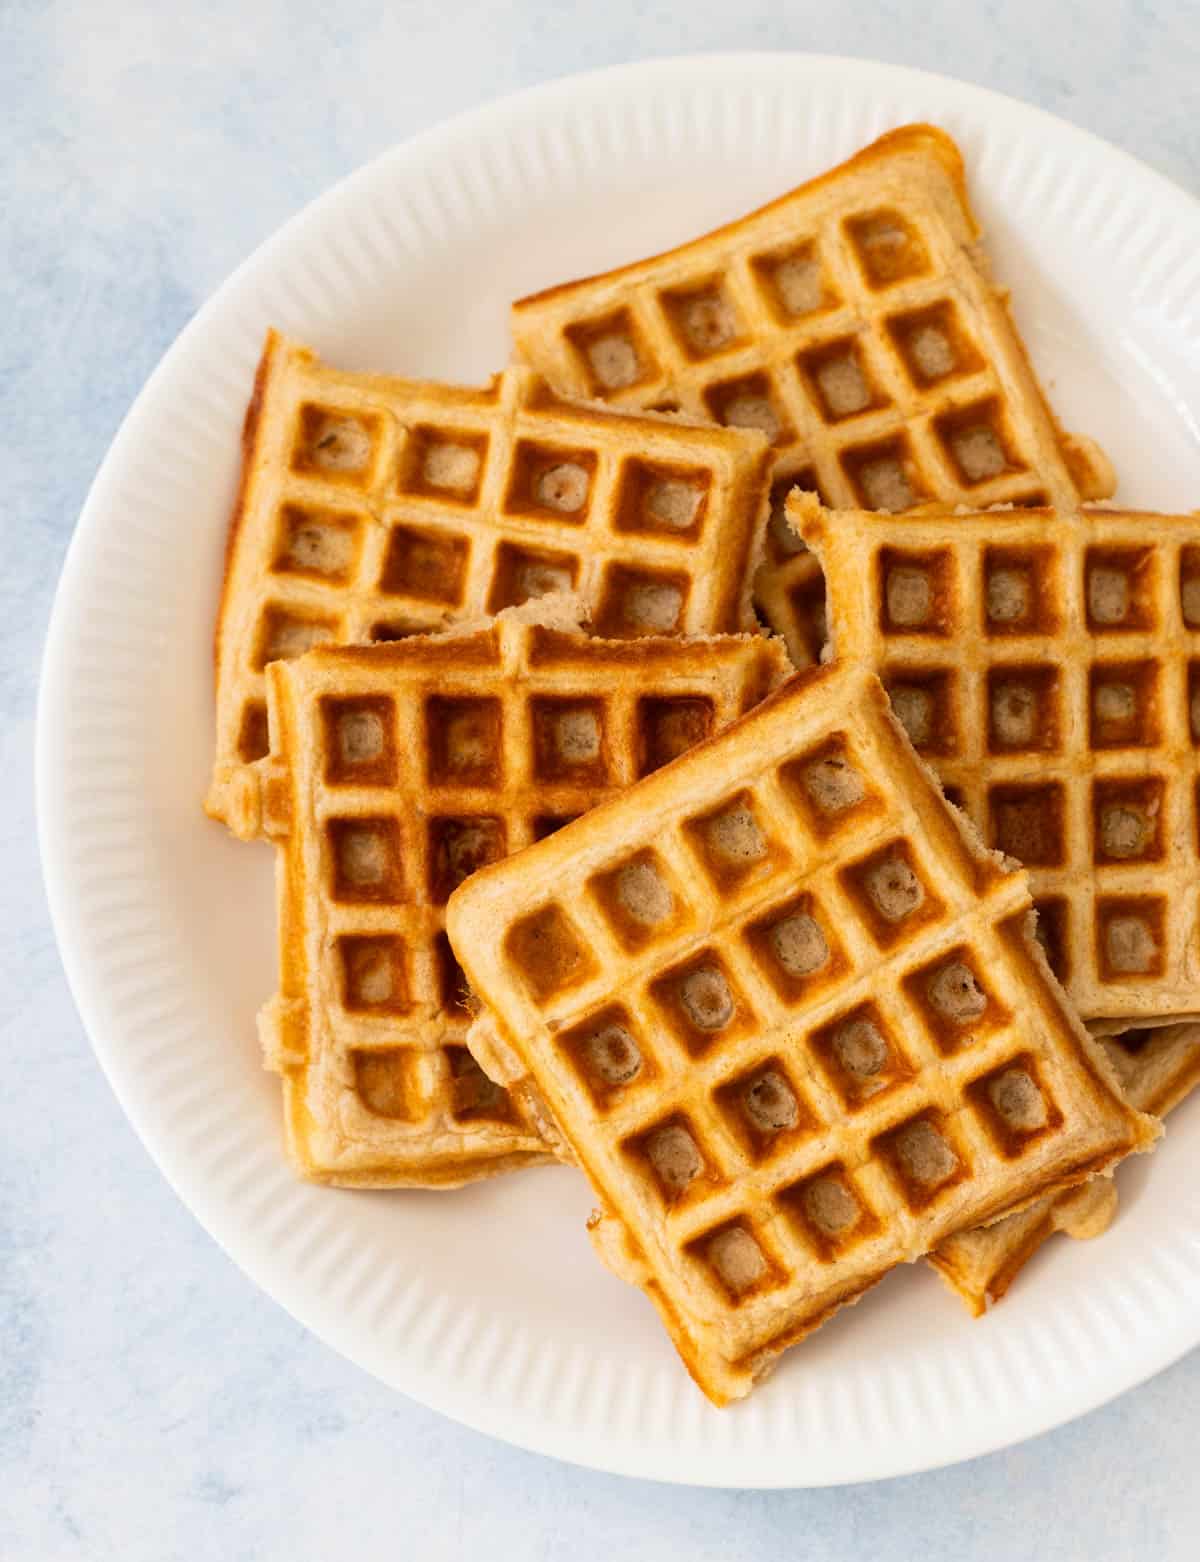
(373, 508)
(856, 322)
(790, 1018)
(1047, 665)
(397, 770)
(1157, 1068)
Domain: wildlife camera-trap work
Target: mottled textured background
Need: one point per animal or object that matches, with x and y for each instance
(153, 1405)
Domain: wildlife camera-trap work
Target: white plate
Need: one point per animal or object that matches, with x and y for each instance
(487, 1304)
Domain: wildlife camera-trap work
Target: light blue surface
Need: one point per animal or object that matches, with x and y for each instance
(153, 1405)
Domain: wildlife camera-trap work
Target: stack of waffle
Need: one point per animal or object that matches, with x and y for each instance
(811, 970)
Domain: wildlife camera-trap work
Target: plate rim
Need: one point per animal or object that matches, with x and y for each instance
(533, 1433)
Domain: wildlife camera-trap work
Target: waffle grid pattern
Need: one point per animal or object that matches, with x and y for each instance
(375, 508)
(855, 323)
(1047, 665)
(399, 771)
(788, 1092)
(1157, 1069)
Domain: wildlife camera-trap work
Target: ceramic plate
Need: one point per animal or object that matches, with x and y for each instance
(487, 1304)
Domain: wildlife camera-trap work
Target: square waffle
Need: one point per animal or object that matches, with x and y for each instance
(737, 993)
(395, 772)
(1157, 1068)
(372, 508)
(855, 321)
(1047, 665)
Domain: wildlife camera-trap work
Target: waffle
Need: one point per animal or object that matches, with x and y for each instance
(372, 508)
(856, 322)
(1047, 665)
(737, 993)
(1157, 1068)
(396, 770)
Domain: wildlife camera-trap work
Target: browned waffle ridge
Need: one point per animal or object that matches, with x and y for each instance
(1157, 1068)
